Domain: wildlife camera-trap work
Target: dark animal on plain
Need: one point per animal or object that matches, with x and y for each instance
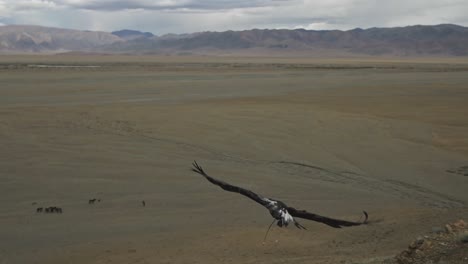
(53, 209)
(92, 201)
(143, 203)
(50, 209)
(283, 214)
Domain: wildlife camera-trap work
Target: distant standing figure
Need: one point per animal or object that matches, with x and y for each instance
(143, 203)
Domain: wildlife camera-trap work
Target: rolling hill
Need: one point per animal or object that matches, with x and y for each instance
(438, 40)
(37, 39)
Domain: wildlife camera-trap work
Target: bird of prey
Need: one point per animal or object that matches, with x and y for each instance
(283, 214)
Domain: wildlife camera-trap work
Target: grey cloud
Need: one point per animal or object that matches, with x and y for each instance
(184, 16)
(115, 5)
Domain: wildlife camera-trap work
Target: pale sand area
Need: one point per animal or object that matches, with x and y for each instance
(379, 138)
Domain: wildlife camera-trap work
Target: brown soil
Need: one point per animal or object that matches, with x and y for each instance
(330, 137)
(443, 245)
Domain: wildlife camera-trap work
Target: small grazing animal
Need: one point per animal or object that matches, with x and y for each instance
(39, 210)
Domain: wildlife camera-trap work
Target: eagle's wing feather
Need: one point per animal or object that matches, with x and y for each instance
(230, 188)
(336, 223)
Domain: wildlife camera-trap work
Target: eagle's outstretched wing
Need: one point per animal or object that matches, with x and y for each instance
(336, 223)
(230, 188)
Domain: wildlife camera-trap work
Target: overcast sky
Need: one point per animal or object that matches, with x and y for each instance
(183, 16)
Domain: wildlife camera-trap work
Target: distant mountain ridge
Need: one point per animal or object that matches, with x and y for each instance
(132, 34)
(439, 40)
(37, 39)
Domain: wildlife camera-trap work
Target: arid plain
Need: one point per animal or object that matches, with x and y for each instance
(334, 137)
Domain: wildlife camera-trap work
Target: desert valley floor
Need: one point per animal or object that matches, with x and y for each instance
(334, 137)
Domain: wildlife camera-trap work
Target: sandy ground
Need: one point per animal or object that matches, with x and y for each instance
(381, 137)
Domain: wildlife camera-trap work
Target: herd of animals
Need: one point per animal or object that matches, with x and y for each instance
(50, 209)
(59, 210)
(282, 214)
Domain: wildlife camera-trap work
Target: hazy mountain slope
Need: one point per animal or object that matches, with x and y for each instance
(440, 40)
(128, 34)
(44, 39)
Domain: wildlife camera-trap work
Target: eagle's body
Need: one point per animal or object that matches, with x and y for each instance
(279, 210)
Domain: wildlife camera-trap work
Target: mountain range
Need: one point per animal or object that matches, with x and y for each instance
(437, 40)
